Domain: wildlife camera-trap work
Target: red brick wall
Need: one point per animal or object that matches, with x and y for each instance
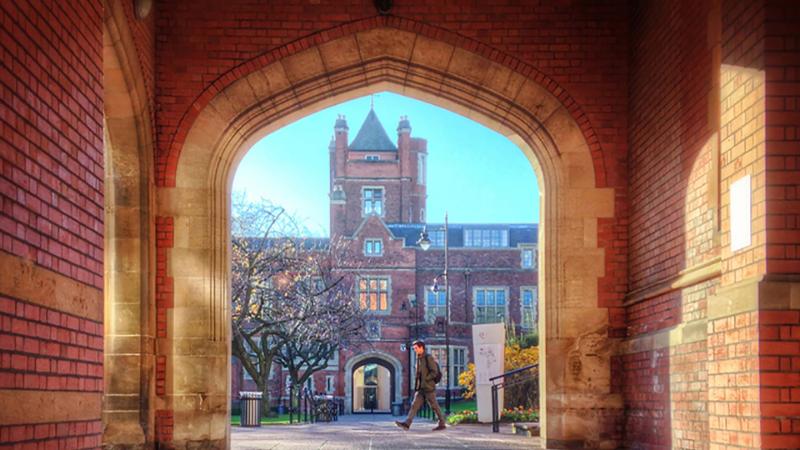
(671, 141)
(783, 136)
(51, 227)
(779, 378)
(779, 331)
(52, 137)
(646, 390)
(673, 215)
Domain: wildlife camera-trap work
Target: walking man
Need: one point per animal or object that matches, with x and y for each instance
(428, 374)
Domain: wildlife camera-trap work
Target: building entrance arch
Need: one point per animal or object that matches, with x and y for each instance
(579, 406)
(373, 382)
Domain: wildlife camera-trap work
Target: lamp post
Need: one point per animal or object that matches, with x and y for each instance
(416, 311)
(425, 243)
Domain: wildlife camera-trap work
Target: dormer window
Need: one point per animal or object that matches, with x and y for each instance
(373, 201)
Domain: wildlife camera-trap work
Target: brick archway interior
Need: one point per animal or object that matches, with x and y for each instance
(578, 403)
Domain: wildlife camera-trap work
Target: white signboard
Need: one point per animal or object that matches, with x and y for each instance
(488, 340)
(740, 208)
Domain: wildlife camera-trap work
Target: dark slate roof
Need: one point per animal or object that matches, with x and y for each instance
(517, 233)
(372, 137)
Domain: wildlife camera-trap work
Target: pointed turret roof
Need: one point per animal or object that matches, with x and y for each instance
(372, 137)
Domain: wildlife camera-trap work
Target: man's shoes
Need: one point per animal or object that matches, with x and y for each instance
(402, 425)
(440, 427)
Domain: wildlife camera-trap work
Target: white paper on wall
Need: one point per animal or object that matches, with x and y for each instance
(740, 213)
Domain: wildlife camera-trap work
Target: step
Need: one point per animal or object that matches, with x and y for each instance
(530, 429)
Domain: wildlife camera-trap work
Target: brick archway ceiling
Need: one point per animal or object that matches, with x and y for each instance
(167, 159)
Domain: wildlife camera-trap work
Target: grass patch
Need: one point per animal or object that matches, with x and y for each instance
(281, 419)
(462, 405)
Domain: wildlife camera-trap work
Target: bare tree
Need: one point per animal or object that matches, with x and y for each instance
(290, 305)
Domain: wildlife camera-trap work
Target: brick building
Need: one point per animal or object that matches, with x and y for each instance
(669, 315)
(378, 202)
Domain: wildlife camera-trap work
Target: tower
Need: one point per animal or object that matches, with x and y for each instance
(373, 176)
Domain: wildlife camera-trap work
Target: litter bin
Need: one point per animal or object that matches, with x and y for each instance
(397, 408)
(251, 408)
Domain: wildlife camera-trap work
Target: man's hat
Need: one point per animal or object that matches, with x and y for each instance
(419, 342)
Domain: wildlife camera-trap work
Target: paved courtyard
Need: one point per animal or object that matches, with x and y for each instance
(376, 432)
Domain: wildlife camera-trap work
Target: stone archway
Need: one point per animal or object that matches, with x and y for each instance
(578, 403)
(354, 362)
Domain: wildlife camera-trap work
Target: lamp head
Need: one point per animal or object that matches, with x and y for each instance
(424, 241)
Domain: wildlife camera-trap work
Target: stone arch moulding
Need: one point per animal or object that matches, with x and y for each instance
(128, 408)
(353, 362)
(577, 399)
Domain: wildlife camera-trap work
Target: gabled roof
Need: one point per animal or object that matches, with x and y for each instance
(372, 137)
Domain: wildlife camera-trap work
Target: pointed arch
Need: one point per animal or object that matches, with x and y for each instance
(577, 398)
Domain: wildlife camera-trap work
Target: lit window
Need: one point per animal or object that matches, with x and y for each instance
(373, 293)
(479, 237)
(435, 305)
(528, 307)
(373, 247)
(373, 201)
(490, 305)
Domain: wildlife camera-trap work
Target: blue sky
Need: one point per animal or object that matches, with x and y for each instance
(474, 173)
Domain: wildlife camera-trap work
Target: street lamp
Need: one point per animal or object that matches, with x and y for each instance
(425, 243)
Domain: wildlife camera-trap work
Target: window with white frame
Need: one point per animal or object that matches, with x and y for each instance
(437, 238)
(458, 362)
(373, 293)
(421, 175)
(528, 257)
(330, 384)
(490, 304)
(372, 158)
(528, 304)
(373, 247)
(485, 237)
(373, 201)
(435, 304)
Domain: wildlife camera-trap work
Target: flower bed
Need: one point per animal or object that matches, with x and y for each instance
(518, 414)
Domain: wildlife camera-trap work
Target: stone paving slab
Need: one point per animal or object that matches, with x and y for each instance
(376, 432)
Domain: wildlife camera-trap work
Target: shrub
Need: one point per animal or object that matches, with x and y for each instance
(465, 416)
(515, 357)
(518, 414)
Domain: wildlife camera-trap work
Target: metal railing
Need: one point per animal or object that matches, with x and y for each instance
(515, 377)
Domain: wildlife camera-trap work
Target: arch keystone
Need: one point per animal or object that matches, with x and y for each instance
(340, 53)
(383, 42)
